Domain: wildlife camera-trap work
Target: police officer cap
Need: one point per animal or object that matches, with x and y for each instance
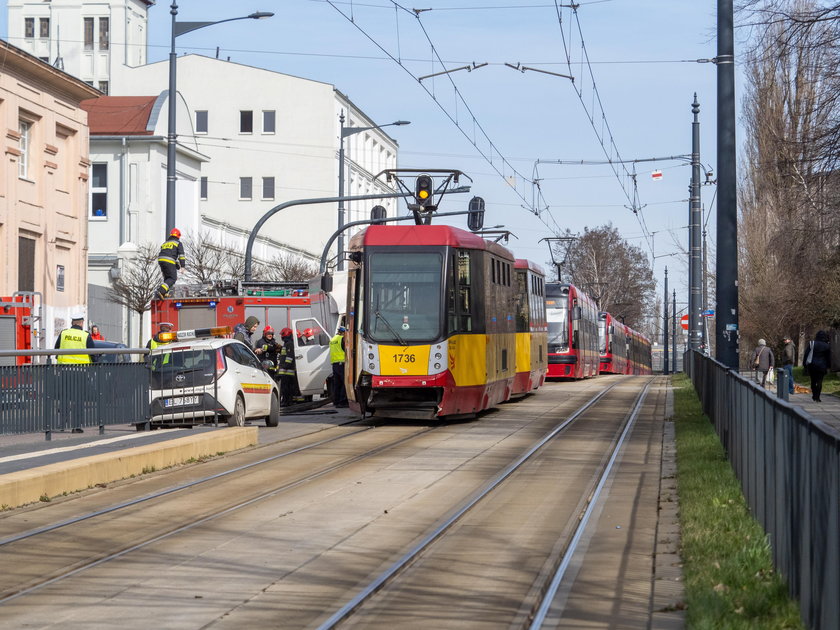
(77, 318)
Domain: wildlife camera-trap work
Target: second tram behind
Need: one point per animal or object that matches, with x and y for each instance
(572, 332)
(432, 323)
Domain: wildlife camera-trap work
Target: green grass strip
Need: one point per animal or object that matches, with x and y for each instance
(729, 577)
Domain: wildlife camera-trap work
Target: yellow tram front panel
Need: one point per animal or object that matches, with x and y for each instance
(523, 352)
(404, 360)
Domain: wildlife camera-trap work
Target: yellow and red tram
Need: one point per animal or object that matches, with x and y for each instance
(531, 328)
(431, 320)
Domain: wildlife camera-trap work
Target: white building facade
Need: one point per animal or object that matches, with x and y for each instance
(270, 138)
(93, 41)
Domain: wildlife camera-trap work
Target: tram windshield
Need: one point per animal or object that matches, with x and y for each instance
(404, 296)
(602, 335)
(557, 315)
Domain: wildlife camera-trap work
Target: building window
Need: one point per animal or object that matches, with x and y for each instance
(246, 185)
(88, 33)
(246, 122)
(103, 87)
(99, 190)
(26, 264)
(25, 129)
(44, 28)
(203, 188)
(201, 121)
(268, 121)
(268, 188)
(29, 27)
(59, 277)
(104, 33)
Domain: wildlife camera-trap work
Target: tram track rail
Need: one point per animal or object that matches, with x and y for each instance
(548, 590)
(58, 528)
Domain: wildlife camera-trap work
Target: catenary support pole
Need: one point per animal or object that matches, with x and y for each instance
(695, 323)
(665, 329)
(726, 310)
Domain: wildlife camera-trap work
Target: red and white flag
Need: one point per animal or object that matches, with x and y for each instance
(656, 175)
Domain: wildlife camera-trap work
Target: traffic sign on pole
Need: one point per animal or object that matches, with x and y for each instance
(684, 321)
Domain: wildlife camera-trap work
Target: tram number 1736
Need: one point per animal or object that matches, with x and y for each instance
(404, 358)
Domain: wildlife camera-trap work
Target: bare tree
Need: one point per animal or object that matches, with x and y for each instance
(290, 268)
(138, 281)
(789, 225)
(616, 273)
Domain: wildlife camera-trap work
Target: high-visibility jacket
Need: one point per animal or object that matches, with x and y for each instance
(337, 354)
(172, 251)
(70, 339)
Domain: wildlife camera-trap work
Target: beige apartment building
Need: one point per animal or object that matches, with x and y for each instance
(43, 188)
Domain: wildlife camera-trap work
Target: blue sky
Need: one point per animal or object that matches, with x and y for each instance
(645, 86)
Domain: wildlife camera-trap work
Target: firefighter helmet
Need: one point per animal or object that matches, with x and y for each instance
(286, 332)
(175, 232)
(268, 329)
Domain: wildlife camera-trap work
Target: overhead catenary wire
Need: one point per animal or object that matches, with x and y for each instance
(488, 154)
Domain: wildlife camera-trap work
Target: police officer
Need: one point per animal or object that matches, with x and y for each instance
(171, 258)
(337, 358)
(75, 337)
(155, 341)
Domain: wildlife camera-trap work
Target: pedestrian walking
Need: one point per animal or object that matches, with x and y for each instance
(245, 333)
(286, 370)
(95, 334)
(171, 258)
(337, 358)
(763, 361)
(72, 381)
(817, 362)
(788, 359)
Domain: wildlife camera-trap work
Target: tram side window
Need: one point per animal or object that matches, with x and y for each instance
(522, 302)
(464, 292)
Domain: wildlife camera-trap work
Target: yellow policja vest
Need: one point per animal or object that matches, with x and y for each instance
(336, 353)
(72, 338)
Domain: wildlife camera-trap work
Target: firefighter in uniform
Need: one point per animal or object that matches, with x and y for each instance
(270, 348)
(75, 337)
(286, 368)
(337, 358)
(171, 258)
(155, 341)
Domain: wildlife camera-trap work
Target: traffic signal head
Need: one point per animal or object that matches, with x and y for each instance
(424, 190)
(475, 218)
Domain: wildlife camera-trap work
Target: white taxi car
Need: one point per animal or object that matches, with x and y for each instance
(195, 379)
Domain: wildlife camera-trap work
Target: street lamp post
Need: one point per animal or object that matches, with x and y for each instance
(349, 131)
(179, 28)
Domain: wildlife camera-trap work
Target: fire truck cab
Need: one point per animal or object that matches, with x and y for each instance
(18, 325)
(312, 317)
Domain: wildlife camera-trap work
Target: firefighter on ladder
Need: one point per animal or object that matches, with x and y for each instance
(171, 258)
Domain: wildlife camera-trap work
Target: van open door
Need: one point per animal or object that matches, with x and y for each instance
(312, 355)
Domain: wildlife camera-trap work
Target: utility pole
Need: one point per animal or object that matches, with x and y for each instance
(726, 310)
(674, 329)
(695, 218)
(665, 370)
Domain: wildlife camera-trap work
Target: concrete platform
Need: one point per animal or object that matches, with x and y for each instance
(32, 471)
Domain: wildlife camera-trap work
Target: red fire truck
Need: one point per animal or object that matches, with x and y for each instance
(18, 325)
(312, 314)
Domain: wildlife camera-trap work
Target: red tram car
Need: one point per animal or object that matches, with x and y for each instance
(572, 332)
(622, 349)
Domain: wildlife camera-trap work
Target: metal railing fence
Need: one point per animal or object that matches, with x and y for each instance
(788, 464)
(51, 397)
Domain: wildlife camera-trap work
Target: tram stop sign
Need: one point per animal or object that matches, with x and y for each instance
(684, 321)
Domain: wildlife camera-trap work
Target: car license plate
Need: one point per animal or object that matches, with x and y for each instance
(180, 402)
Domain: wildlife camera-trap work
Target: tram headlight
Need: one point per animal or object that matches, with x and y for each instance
(371, 366)
(437, 366)
(438, 355)
(370, 356)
